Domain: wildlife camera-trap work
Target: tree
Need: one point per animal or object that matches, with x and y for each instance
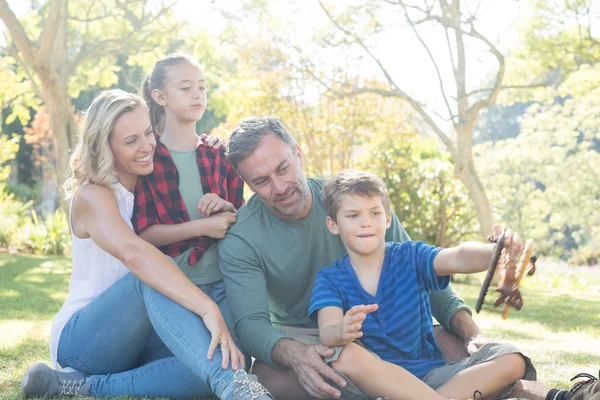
(557, 38)
(544, 181)
(455, 25)
(76, 45)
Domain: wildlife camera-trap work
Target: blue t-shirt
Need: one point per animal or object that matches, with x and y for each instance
(401, 330)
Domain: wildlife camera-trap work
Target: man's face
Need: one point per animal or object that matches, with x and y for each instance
(274, 172)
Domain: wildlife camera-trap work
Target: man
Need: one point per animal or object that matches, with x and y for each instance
(269, 260)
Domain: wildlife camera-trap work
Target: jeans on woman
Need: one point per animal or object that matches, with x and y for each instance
(132, 340)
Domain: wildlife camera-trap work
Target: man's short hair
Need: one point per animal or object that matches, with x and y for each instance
(248, 133)
(353, 183)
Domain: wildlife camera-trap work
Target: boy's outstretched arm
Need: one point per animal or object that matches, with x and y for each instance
(337, 329)
(466, 258)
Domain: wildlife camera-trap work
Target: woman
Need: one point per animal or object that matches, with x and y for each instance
(133, 323)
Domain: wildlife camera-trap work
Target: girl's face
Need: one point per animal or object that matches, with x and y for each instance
(184, 94)
(132, 144)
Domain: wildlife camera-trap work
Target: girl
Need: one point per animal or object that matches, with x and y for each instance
(190, 199)
(133, 323)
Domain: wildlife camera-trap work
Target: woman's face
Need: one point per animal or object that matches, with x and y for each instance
(132, 144)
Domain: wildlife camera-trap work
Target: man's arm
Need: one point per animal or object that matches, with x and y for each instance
(246, 289)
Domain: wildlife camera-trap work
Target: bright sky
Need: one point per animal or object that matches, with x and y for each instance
(399, 50)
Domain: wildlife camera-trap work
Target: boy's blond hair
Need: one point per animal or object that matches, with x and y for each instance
(352, 183)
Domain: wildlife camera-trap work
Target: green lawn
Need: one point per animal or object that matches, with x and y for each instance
(559, 326)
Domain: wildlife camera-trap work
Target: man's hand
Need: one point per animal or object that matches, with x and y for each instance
(475, 343)
(210, 203)
(351, 325)
(307, 362)
(465, 328)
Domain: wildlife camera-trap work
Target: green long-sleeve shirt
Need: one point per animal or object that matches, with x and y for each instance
(269, 266)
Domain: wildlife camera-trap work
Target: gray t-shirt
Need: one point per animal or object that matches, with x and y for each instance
(269, 266)
(206, 269)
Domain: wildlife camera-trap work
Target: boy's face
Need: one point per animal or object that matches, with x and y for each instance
(361, 223)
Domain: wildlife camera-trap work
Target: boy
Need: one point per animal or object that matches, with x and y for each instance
(383, 289)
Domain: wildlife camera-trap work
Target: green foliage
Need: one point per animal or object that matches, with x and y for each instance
(430, 202)
(557, 39)
(13, 214)
(544, 183)
(21, 229)
(12, 211)
(50, 236)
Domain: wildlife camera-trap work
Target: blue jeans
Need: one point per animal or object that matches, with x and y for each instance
(132, 340)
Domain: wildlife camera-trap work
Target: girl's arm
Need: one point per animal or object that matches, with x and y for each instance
(337, 329)
(95, 214)
(215, 226)
(466, 258)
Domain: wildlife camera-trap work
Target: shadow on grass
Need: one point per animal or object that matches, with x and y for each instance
(557, 312)
(29, 284)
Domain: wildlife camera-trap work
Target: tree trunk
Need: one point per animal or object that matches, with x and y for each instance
(466, 172)
(54, 75)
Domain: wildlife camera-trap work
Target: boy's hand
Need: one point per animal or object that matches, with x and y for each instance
(352, 322)
(211, 203)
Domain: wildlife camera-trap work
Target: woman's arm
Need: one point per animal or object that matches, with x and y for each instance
(95, 214)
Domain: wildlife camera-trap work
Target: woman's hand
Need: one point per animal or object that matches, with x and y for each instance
(211, 203)
(213, 319)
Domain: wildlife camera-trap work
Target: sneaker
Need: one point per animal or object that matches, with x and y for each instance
(42, 381)
(247, 387)
(588, 389)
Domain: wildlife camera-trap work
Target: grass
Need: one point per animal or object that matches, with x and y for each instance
(559, 326)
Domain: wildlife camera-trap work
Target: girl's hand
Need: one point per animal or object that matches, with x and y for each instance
(214, 141)
(211, 203)
(352, 323)
(214, 322)
(217, 225)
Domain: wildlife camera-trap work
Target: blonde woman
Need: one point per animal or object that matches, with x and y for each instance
(133, 323)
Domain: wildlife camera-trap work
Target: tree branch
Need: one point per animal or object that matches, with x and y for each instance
(48, 34)
(30, 76)
(17, 33)
(532, 86)
(437, 70)
(474, 110)
(361, 44)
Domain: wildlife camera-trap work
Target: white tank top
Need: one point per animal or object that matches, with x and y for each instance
(94, 270)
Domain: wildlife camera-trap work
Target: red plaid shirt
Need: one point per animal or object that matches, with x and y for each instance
(158, 200)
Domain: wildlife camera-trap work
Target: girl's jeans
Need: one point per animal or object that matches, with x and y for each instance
(132, 340)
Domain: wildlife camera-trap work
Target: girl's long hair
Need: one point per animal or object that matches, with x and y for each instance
(156, 79)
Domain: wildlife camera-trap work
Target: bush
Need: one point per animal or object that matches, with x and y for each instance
(50, 237)
(14, 216)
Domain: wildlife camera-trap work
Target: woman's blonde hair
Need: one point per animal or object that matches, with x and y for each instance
(92, 160)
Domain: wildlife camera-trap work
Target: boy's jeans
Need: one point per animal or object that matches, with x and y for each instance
(132, 340)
